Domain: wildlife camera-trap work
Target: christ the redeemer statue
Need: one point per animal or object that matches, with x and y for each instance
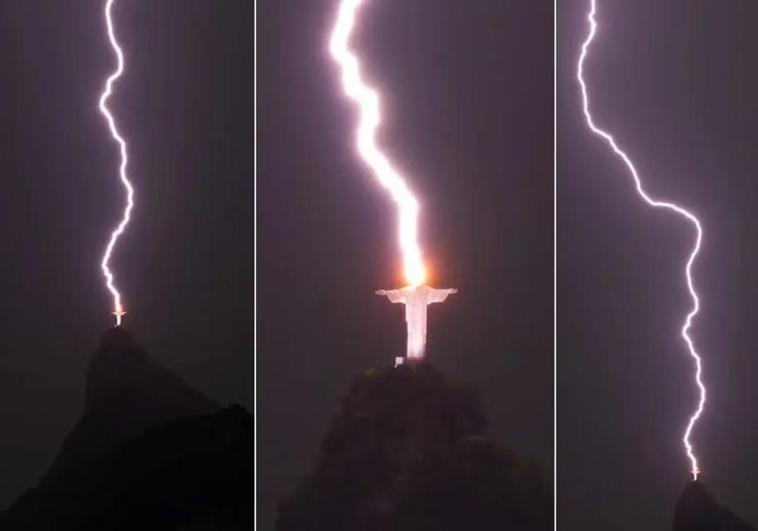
(416, 299)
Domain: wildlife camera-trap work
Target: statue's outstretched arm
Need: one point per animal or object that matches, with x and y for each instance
(439, 295)
(394, 295)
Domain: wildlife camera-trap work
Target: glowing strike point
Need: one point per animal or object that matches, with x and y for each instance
(416, 296)
(367, 100)
(657, 204)
(118, 309)
(416, 299)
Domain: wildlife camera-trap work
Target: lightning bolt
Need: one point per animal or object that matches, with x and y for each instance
(367, 100)
(118, 309)
(657, 204)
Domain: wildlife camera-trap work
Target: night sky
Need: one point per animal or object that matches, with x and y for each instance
(185, 267)
(676, 82)
(468, 111)
(467, 92)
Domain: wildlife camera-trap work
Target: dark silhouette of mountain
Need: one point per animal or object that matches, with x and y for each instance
(410, 451)
(148, 453)
(126, 393)
(696, 510)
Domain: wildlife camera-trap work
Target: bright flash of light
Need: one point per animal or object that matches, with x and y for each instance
(118, 309)
(657, 204)
(367, 100)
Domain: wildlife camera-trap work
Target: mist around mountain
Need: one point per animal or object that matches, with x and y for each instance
(148, 453)
(410, 451)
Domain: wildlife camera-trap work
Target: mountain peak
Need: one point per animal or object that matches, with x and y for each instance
(697, 510)
(409, 449)
(126, 393)
(122, 376)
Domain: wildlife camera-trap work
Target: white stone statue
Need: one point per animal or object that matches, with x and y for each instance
(416, 299)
